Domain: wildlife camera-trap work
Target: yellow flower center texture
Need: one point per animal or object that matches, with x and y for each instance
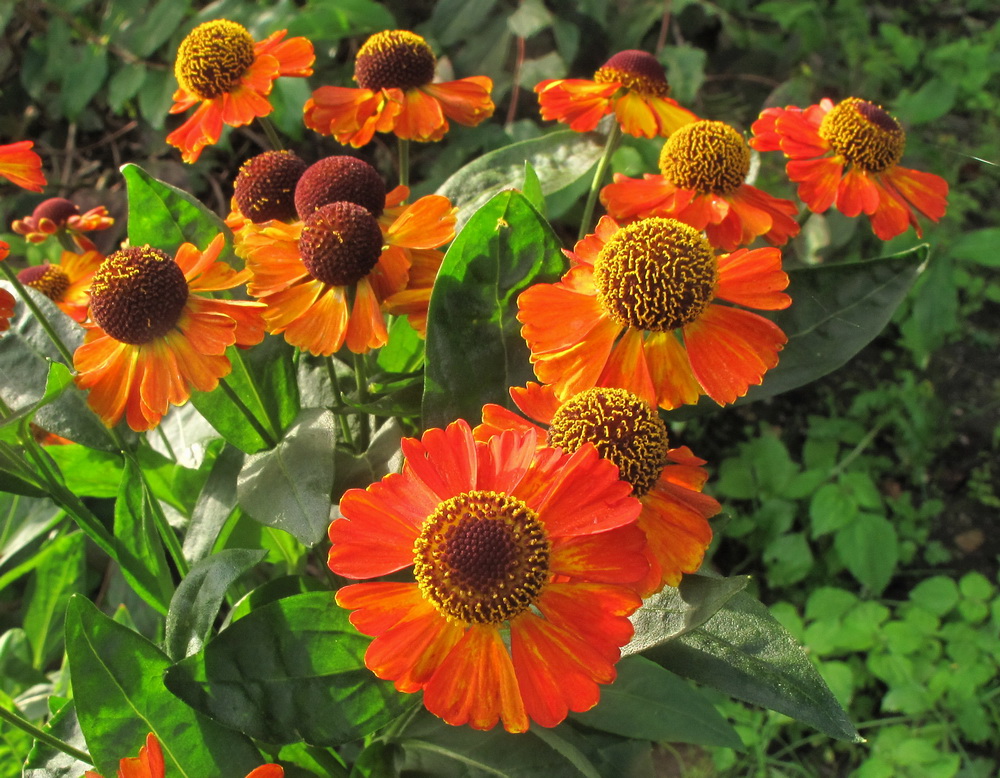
(481, 557)
(638, 71)
(706, 156)
(340, 243)
(394, 59)
(864, 134)
(656, 274)
(623, 427)
(213, 58)
(50, 280)
(138, 294)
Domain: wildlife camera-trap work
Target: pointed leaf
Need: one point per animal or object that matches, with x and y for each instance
(60, 576)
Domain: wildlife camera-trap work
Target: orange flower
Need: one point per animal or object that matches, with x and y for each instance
(67, 283)
(7, 302)
(822, 140)
(220, 66)
(153, 338)
(149, 764)
(627, 431)
(22, 166)
(520, 604)
(704, 166)
(58, 213)
(632, 83)
(394, 70)
(613, 318)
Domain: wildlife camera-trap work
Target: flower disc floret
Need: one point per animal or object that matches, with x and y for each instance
(394, 59)
(656, 274)
(481, 557)
(623, 427)
(265, 186)
(138, 294)
(213, 58)
(864, 134)
(50, 280)
(636, 70)
(706, 156)
(340, 178)
(340, 243)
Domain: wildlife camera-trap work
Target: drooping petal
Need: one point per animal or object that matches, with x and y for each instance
(818, 180)
(466, 101)
(22, 166)
(753, 279)
(574, 101)
(670, 371)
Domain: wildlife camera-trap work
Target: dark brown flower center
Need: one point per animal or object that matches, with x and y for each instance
(482, 557)
(58, 210)
(213, 58)
(656, 274)
(265, 186)
(138, 294)
(864, 134)
(394, 59)
(623, 427)
(706, 156)
(340, 243)
(50, 280)
(636, 70)
(340, 179)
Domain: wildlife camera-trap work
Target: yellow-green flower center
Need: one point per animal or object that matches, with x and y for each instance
(482, 557)
(265, 186)
(638, 71)
(138, 294)
(213, 58)
(864, 134)
(623, 427)
(706, 156)
(50, 280)
(340, 243)
(656, 274)
(394, 59)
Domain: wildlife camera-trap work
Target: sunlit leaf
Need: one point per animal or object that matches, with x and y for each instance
(61, 575)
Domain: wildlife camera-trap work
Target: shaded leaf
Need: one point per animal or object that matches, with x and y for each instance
(44, 761)
(215, 504)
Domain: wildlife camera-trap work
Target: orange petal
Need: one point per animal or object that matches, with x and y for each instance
(818, 180)
(380, 605)
(366, 326)
(22, 166)
(536, 401)
(670, 371)
(857, 192)
(653, 195)
(202, 128)
(926, 192)
(577, 102)
(321, 330)
(626, 367)
(753, 279)
(426, 224)
(615, 557)
(597, 612)
(466, 101)
(444, 460)
(420, 117)
(267, 771)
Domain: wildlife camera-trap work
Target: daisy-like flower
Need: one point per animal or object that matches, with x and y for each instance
(520, 604)
(848, 155)
(155, 335)
(59, 214)
(66, 283)
(615, 316)
(222, 68)
(632, 83)
(703, 169)
(396, 93)
(150, 764)
(22, 166)
(7, 302)
(627, 431)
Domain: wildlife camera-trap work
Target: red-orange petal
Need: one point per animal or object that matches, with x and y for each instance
(466, 101)
(753, 279)
(670, 371)
(22, 166)
(575, 101)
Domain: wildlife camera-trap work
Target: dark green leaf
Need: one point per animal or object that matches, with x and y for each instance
(124, 84)
(474, 347)
(274, 590)
(346, 18)
(978, 246)
(61, 575)
(404, 352)
(215, 505)
(292, 670)
(272, 363)
(82, 76)
(44, 761)
(147, 31)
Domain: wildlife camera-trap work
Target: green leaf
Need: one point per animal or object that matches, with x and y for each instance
(85, 67)
(22, 523)
(195, 605)
(346, 18)
(744, 652)
(87, 472)
(532, 189)
(289, 487)
(869, 548)
(61, 575)
(146, 32)
(272, 363)
(647, 701)
(289, 671)
(120, 698)
(474, 347)
(978, 246)
(44, 761)
(215, 504)
(831, 508)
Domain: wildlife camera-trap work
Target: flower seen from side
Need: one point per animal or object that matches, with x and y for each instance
(632, 84)
(639, 310)
(703, 169)
(627, 431)
(226, 73)
(22, 166)
(157, 334)
(847, 155)
(67, 282)
(396, 93)
(519, 605)
(58, 214)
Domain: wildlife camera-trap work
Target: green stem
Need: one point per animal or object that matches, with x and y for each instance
(404, 162)
(595, 186)
(267, 437)
(11, 276)
(361, 382)
(271, 133)
(45, 737)
(345, 424)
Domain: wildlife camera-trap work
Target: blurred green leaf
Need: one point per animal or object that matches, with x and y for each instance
(869, 548)
(978, 246)
(84, 70)
(144, 32)
(125, 84)
(532, 189)
(61, 575)
(343, 19)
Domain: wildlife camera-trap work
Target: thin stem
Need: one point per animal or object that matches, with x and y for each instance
(11, 276)
(345, 424)
(266, 436)
(361, 382)
(404, 162)
(595, 186)
(45, 737)
(166, 443)
(271, 133)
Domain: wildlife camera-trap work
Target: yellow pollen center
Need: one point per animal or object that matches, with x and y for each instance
(50, 280)
(706, 156)
(481, 557)
(637, 71)
(394, 59)
(656, 274)
(864, 134)
(213, 58)
(623, 427)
